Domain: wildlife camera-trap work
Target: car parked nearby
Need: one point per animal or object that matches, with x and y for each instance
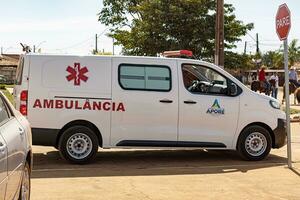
(15, 153)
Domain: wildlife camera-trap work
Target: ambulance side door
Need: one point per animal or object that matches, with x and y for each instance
(148, 90)
(208, 114)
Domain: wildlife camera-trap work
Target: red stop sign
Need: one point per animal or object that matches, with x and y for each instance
(283, 22)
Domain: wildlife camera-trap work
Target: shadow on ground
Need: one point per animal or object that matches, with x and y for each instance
(149, 163)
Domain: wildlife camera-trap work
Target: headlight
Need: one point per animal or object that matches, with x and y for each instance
(275, 104)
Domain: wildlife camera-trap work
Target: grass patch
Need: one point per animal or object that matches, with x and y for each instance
(9, 96)
(292, 111)
(9, 86)
(4, 86)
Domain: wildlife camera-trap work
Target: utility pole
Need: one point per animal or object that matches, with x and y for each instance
(245, 48)
(258, 60)
(1, 50)
(96, 43)
(33, 48)
(257, 44)
(113, 51)
(219, 37)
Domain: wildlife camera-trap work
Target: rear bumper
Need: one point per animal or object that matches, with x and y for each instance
(44, 136)
(280, 134)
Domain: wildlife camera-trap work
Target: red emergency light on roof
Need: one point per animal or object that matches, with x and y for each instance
(178, 54)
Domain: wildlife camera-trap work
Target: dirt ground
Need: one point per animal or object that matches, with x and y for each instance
(167, 174)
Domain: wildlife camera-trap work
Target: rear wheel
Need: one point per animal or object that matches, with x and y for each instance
(78, 144)
(25, 185)
(254, 143)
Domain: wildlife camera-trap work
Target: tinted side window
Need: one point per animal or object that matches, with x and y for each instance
(145, 77)
(3, 111)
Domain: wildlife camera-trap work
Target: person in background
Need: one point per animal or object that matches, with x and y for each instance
(262, 75)
(293, 77)
(254, 77)
(237, 75)
(249, 78)
(274, 80)
(243, 77)
(262, 78)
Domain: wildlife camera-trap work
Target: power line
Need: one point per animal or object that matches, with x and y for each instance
(100, 34)
(76, 44)
(82, 42)
(251, 37)
(263, 44)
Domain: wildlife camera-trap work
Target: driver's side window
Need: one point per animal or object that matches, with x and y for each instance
(203, 80)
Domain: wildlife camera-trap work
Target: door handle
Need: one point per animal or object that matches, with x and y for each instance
(21, 131)
(165, 101)
(2, 147)
(190, 102)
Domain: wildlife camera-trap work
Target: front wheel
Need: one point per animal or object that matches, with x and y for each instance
(78, 144)
(254, 143)
(25, 184)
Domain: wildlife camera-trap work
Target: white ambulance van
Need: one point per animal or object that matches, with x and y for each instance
(80, 103)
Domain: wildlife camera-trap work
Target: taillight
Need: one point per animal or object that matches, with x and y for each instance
(24, 95)
(23, 109)
(23, 102)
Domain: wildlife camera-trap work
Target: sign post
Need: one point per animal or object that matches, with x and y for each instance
(283, 25)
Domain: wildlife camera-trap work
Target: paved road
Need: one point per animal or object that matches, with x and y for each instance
(167, 174)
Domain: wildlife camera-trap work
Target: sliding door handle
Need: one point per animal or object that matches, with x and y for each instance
(190, 102)
(2, 148)
(21, 131)
(165, 101)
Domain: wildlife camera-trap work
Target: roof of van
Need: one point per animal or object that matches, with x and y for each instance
(112, 56)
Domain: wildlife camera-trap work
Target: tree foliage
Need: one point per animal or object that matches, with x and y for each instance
(294, 52)
(274, 59)
(144, 27)
(238, 61)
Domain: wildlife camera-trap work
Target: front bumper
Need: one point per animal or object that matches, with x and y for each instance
(280, 134)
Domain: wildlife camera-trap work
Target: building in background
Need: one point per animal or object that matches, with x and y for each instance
(8, 67)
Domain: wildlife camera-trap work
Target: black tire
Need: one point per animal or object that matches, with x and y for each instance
(82, 137)
(25, 184)
(259, 136)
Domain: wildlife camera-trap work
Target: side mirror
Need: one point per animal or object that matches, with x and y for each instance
(233, 90)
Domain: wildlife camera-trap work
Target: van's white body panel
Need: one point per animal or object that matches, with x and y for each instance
(143, 116)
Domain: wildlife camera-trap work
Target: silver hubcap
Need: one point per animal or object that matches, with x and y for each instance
(79, 146)
(25, 190)
(256, 144)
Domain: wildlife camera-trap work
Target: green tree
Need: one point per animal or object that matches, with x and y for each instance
(294, 52)
(273, 59)
(238, 61)
(144, 27)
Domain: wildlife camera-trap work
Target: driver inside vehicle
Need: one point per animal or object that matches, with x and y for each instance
(203, 80)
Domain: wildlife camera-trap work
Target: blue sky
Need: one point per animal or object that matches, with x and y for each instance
(69, 26)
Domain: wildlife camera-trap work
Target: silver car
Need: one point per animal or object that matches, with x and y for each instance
(15, 153)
